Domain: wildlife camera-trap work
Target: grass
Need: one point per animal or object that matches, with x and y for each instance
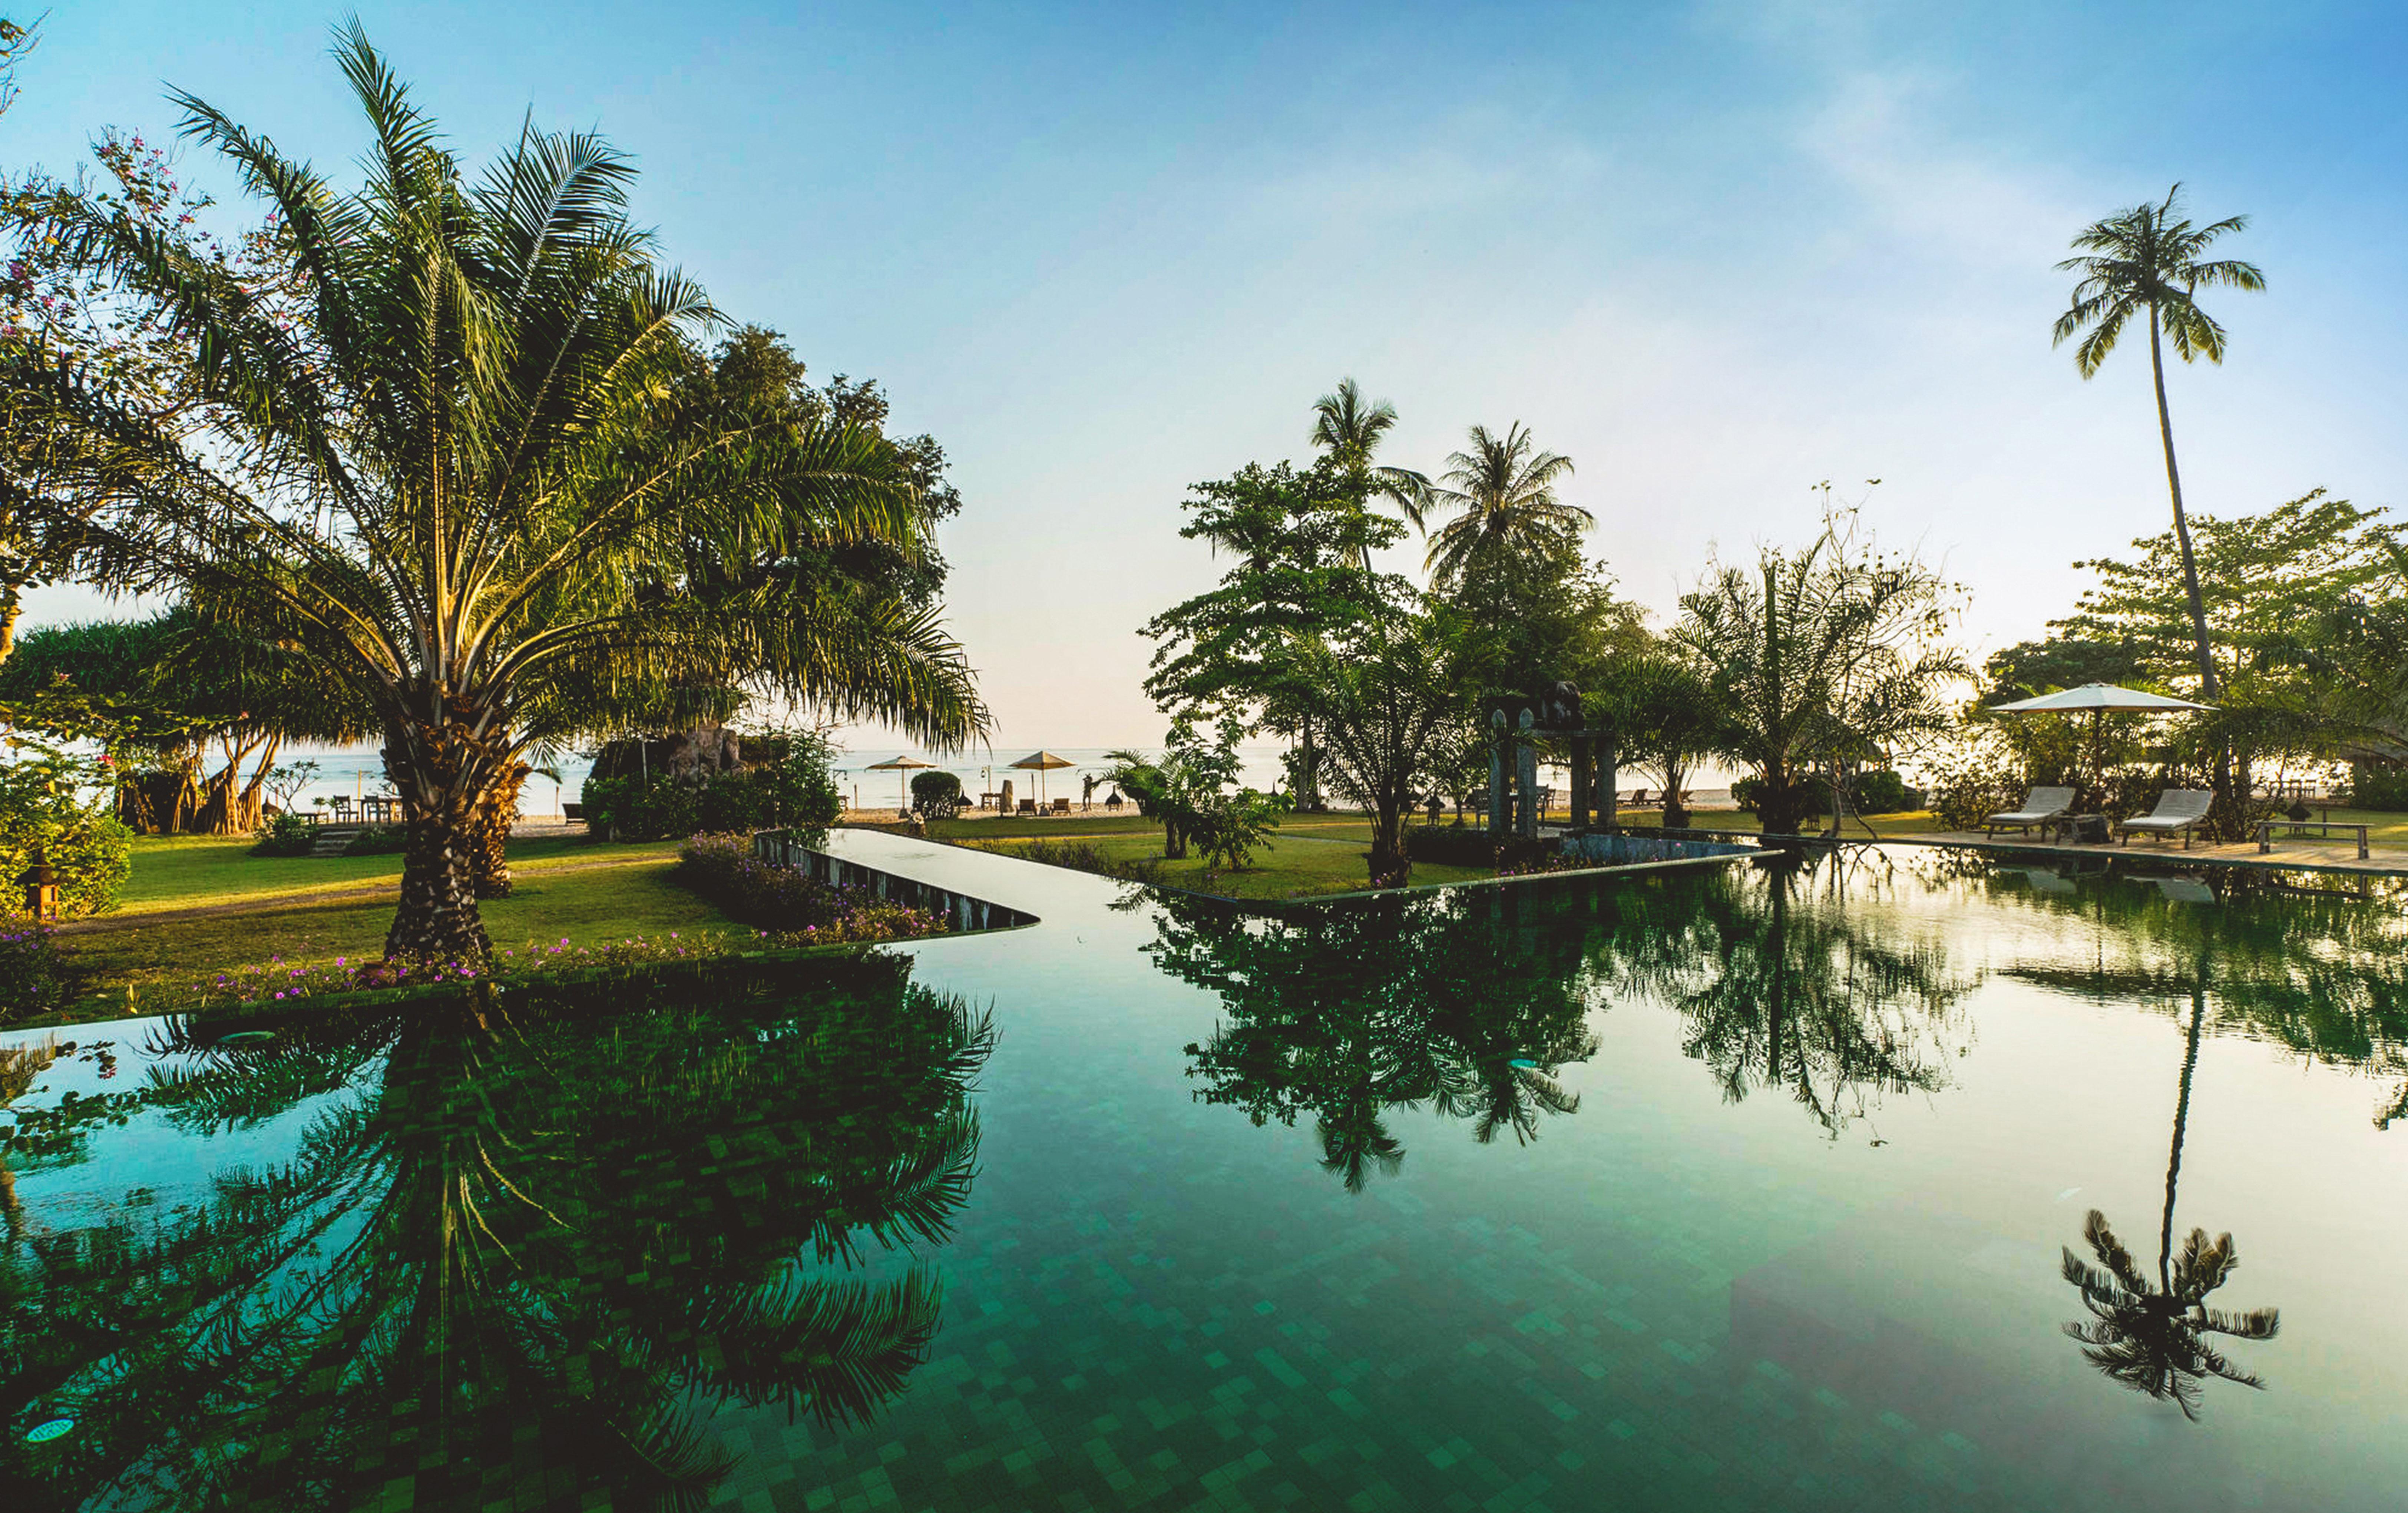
(181, 871)
(630, 895)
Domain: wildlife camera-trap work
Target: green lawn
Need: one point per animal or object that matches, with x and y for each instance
(631, 896)
(178, 872)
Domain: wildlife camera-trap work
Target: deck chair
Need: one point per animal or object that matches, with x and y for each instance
(2040, 806)
(2179, 811)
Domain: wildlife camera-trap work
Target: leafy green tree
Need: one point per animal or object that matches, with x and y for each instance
(2265, 582)
(181, 692)
(2149, 260)
(1299, 543)
(1194, 793)
(54, 802)
(1388, 701)
(453, 462)
(1348, 432)
(1501, 494)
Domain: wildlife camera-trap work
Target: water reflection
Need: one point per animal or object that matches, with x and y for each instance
(1794, 974)
(610, 1211)
(1466, 1002)
(2152, 1337)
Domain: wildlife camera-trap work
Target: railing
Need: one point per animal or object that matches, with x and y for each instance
(779, 848)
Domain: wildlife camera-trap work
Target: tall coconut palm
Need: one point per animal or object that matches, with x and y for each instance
(1350, 432)
(1504, 495)
(2147, 260)
(445, 454)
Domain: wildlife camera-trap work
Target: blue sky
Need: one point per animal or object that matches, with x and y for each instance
(1715, 253)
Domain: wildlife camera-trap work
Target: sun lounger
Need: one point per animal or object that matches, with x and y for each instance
(2179, 811)
(2041, 807)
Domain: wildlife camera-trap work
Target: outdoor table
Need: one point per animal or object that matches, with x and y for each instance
(2296, 827)
(2076, 827)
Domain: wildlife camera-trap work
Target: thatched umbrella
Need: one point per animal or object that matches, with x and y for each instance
(1042, 762)
(898, 766)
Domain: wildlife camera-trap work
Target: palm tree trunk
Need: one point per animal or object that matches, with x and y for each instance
(439, 774)
(2210, 688)
(489, 851)
(2182, 1119)
(2209, 685)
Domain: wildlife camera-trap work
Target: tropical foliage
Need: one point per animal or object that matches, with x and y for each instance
(443, 445)
(1824, 661)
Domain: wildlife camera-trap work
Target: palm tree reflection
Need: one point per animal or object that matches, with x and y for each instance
(1787, 979)
(2152, 1336)
(527, 1243)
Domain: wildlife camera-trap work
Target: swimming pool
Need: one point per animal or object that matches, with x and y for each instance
(1768, 1186)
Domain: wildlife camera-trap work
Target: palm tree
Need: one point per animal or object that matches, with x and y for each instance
(449, 459)
(1503, 493)
(1350, 432)
(2148, 259)
(2149, 1337)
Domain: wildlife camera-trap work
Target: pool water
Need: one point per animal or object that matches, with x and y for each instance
(1769, 1185)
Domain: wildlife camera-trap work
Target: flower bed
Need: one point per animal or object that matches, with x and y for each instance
(792, 909)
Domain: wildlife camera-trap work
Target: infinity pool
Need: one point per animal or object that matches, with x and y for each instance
(1769, 1186)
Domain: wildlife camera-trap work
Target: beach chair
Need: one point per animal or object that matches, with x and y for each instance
(1027, 805)
(2179, 811)
(2041, 807)
(1061, 805)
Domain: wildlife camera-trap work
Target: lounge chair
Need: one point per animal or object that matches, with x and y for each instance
(2179, 811)
(2041, 807)
(1061, 805)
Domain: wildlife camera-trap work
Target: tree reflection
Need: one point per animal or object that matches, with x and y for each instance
(1466, 1001)
(524, 1246)
(1789, 975)
(2319, 968)
(2151, 1338)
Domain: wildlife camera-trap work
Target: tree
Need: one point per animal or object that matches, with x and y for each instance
(1664, 718)
(1193, 792)
(1502, 495)
(1349, 433)
(2148, 260)
(2270, 586)
(1821, 661)
(1299, 541)
(454, 463)
(1386, 703)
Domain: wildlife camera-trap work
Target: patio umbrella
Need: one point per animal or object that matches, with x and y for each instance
(898, 766)
(1042, 762)
(2102, 700)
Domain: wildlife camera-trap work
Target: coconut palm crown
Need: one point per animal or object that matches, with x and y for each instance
(1502, 493)
(1351, 432)
(442, 450)
(2149, 260)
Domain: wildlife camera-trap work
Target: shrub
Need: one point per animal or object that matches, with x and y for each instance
(1965, 793)
(2378, 785)
(378, 840)
(1808, 797)
(937, 794)
(795, 791)
(1086, 856)
(44, 807)
(34, 976)
(788, 904)
(1882, 791)
(284, 835)
(1451, 846)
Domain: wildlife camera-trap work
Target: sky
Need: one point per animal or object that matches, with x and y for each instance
(1715, 253)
